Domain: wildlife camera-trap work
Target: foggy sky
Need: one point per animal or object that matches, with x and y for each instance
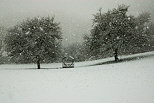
(75, 16)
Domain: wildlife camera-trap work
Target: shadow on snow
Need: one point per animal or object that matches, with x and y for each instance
(124, 60)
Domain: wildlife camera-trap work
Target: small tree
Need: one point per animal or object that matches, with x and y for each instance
(2, 37)
(1, 40)
(76, 50)
(34, 40)
(142, 31)
(151, 39)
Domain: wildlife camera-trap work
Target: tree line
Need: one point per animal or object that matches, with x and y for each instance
(39, 40)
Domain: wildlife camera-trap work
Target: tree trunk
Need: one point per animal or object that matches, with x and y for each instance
(116, 55)
(38, 64)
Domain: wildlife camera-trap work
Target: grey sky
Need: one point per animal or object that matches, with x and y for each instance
(74, 15)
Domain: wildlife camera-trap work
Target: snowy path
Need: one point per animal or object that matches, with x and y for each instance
(125, 82)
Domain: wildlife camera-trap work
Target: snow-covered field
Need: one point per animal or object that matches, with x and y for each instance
(125, 82)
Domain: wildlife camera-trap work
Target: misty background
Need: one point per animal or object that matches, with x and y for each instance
(75, 16)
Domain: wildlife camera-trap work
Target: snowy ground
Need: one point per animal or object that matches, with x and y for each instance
(124, 82)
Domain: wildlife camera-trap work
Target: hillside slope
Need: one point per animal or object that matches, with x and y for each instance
(124, 82)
